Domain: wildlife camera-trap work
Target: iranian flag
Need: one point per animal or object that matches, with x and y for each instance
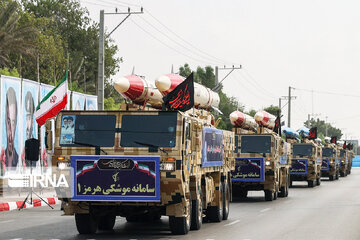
(52, 103)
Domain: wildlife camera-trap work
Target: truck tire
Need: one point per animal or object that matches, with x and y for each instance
(86, 223)
(291, 184)
(215, 213)
(337, 175)
(331, 178)
(342, 174)
(275, 194)
(226, 201)
(107, 222)
(181, 225)
(318, 181)
(282, 192)
(311, 184)
(196, 214)
(268, 195)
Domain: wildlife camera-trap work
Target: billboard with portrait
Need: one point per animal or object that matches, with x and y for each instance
(78, 101)
(29, 101)
(91, 102)
(45, 158)
(10, 125)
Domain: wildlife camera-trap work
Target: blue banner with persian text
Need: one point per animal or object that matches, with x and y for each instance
(249, 169)
(116, 178)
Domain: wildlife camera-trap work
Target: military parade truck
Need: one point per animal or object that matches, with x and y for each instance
(306, 161)
(343, 159)
(351, 155)
(145, 164)
(258, 154)
(330, 163)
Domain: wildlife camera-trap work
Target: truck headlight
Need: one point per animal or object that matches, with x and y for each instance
(167, 166)
(267, 163)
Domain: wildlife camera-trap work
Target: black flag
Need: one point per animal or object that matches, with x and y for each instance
(313, 133)
(344, 146)
(277, 127)
(182, 97)
(333, 139)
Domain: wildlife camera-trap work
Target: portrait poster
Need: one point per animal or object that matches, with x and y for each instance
(249, 170)
(299, 166)
(212, 151)
(78, 101)
(45, 157)
(91, 102)
(29, 102)
(10, 155)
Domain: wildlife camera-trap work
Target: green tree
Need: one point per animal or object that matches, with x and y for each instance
(321, 128)
(272, 110)
(15, 39)
(9, 72)
(251, 113)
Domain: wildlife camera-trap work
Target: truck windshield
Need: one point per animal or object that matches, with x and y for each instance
(149, 130)
(303, 150)
(256, 144)
(327, 152)
(342, 153)
(87, 130)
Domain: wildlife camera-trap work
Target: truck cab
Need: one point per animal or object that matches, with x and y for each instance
(306, 163)
(260, 165)
(330, 163)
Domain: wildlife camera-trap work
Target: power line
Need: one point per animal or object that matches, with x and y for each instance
(187, 42)
(167, 45)
(97, 4)
(176, 42)
(330, 93)
(256, 82)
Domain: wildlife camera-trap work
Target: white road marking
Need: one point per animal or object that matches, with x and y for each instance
(234, 222)
(7, 221)
(265, 210)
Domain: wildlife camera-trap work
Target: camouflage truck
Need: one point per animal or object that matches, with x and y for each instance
(261, 160)
(343, 160)
(350, 155)
(306, 162)
(144, 165)
(330, 163)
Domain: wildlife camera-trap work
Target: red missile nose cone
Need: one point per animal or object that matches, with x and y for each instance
(131, 87)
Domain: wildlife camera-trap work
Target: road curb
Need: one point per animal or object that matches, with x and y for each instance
(9, 206)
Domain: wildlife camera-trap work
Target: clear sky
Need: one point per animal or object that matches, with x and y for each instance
(307, 44)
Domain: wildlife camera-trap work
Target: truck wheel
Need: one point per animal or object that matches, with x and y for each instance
(291, 183)
(337, 175)
(107, 222)
(226, 201)
(181, 225)
(318, 181)
(215, 213)
(310, 184)
(268, 195)
(276, 194)
(196, 214)
(331, 178)
(282, 192)
(86, 223)
(342, 174)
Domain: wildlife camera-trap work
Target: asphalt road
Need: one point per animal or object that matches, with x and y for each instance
(331, 211)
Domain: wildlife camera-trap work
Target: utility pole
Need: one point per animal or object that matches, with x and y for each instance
(38, 68)
(217, 87)
(326, 127)
(289, 98)
(101, 63)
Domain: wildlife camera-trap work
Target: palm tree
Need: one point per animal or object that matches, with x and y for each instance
(14, 38)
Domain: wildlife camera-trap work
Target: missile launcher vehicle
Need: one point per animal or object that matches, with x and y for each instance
(261, 157)
(330, 162)
(306, 161)
(144, 164)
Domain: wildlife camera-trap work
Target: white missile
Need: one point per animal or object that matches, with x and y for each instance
(239, 119)
(138, 90)
(265, 119)
(204, 97)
